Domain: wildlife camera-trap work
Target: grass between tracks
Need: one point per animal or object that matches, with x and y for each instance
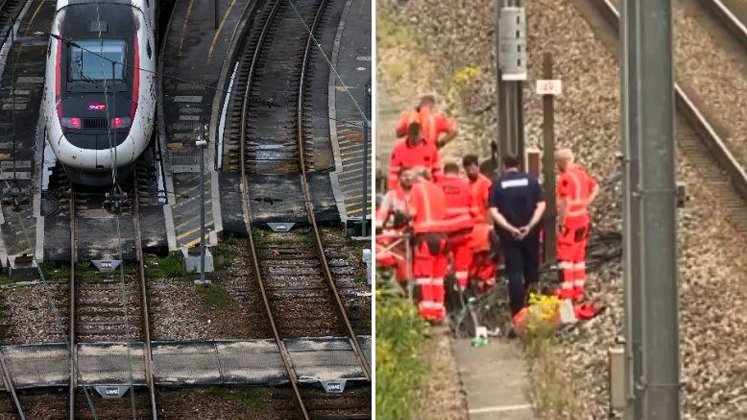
(399, 368)
(256, 399)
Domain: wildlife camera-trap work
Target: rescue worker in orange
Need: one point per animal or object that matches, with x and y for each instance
(427, 207)
(483, 267)
(394, 203)
(575, 191)
(414, 151)
(459, 221)
(394, 207)
(434, 124)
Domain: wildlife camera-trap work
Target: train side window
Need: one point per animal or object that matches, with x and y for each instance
(148, 49)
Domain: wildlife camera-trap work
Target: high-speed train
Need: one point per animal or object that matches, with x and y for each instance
(100, 93)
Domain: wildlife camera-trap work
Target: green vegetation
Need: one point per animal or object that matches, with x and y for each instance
(551, 388)
(215, 296)
(393, 32)
(224, 254)
(86, 270)
(399, 370)
(5, 280)
(55, 272)
(397, 37)
(170, 266)
(263, 238)
(256, 399)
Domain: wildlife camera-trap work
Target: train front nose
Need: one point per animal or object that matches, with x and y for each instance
(99, 134)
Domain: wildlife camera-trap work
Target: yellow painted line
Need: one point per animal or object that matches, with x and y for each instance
(33, 17)
(188, 191)
(353, 154)
(220, 28)
(174, 145)
(195, 220)
(194, 242)
(191, 231)
(341, 89)
(4, 155)
(184, 26)
(351, 146)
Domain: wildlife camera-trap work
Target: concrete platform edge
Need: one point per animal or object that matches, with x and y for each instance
(167, 174)
(213, 130)
(334, 180)
(331, 95)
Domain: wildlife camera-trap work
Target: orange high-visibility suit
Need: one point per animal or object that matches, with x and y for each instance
(424, 155)
(483, 266)
(387, 254)
(459, 222)
(574, 185)
(430, 247)
(433, 124)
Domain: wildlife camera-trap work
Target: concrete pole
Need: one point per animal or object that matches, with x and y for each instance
(510, 100)
(661, 359)
(201, 144)
(629, 58)
(548, 165)
(651, 325)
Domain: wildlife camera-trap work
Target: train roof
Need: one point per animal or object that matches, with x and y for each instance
(140, 4)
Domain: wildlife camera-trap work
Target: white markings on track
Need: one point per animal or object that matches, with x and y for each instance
(500, 408)
(30, 80)
(188, 99)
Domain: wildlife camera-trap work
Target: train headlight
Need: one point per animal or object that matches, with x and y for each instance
(70, 122)
(121, 122)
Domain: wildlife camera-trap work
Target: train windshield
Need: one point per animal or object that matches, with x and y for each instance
(97, 59)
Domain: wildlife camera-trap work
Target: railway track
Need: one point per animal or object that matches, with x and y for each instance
(729, 19)
(711, 149)
(266, 129)
(8, 10)
(105, 308)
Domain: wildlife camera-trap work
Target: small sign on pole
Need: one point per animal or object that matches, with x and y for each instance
(549, 87)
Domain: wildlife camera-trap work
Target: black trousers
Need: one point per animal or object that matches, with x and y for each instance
(521, 259)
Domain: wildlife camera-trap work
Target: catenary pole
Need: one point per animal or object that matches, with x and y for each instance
(511, 62)
(548, 164)
(630, 43)
(655, 131)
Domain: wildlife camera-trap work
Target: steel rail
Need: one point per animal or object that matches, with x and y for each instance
(148, 351)
(730, 20)
(8, 382)
(246, 209)
(310, 206)
(71, 331)
(705, 131)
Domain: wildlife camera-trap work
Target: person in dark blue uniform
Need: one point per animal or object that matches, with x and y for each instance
(516, 206)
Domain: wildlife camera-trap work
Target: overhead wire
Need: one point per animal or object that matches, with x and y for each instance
(329, 63)
(207, 86)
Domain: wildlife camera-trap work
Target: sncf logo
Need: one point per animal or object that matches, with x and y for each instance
(96, 107)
